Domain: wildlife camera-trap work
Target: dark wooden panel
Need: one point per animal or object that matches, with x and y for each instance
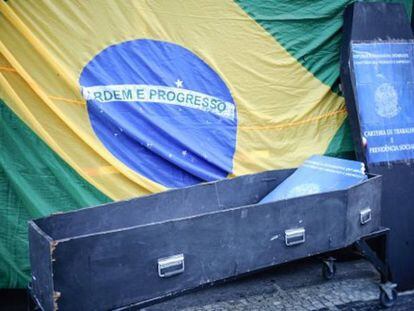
(41, 266)
(371, 22)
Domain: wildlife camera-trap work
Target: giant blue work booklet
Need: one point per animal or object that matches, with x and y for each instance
(384, 86)
(316, 175)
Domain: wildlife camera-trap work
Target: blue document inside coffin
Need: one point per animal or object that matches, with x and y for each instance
(316, 175)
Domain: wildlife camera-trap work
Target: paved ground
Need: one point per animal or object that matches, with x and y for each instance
(405, 302)
(296, 286)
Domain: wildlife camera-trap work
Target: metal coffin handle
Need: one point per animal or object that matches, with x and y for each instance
(365, 216)
(169, 266)
(294, 236)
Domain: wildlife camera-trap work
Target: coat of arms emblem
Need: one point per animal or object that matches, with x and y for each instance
(386, 101)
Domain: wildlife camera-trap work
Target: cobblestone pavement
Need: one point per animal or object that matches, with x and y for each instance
(297, 286)
(405, 302)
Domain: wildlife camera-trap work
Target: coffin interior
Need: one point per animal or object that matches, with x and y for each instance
(169, 205)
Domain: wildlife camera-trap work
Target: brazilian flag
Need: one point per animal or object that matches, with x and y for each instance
(106, 100)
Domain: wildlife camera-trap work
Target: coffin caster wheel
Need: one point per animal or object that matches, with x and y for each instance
(328, 269)
(388, 295)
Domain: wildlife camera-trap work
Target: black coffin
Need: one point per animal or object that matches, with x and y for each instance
(139, 251)
(371, 23)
